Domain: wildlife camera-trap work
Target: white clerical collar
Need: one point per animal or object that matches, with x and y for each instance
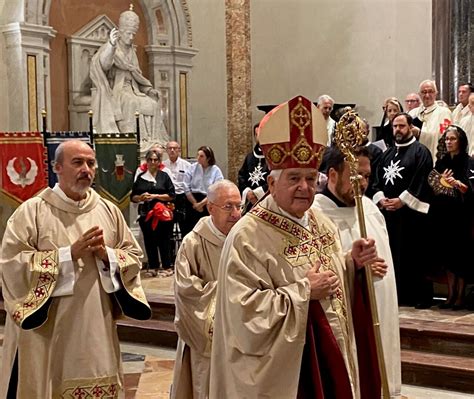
(219, 234)
(413, 139)
(258, 156)
(58, 190)
(304, 221)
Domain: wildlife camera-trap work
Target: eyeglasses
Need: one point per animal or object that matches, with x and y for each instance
(229, 207)
(451, 139)
(172, 148)
(427, 92)
(412, 101)
(153, 160)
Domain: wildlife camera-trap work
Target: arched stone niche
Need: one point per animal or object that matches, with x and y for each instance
(169, 63)
(26, 31)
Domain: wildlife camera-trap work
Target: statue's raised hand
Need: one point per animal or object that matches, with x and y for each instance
(113, 36)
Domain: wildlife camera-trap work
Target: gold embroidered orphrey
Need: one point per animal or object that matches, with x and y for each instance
(104, 388)
(43, 282)
(304, 247)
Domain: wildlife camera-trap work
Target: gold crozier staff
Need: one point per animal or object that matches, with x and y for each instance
(350, 134)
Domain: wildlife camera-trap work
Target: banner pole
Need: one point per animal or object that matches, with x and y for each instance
(45, 128)
(137, 120)
(91, 127)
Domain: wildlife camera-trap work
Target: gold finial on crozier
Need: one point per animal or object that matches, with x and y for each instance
(131, 7)
(350, 134)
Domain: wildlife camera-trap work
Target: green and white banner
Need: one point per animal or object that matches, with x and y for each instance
(116, 165)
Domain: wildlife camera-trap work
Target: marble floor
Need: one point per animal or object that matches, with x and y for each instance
(149, 369)
(163, 286)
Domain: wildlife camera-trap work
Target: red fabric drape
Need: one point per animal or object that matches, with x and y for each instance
(323, 371)
(369, 376)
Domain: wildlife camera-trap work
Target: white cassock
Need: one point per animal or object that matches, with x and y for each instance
(345, 218)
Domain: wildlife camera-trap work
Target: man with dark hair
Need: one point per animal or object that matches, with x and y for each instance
(402, 193)
(337, 202)
(253, 175)
(462, 109)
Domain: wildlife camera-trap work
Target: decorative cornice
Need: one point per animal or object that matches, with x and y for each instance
(187, 16)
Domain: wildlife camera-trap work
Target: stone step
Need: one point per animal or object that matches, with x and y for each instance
(158, 331)
(162, 307)
(151, 332)
(437, 337)
(438, 370)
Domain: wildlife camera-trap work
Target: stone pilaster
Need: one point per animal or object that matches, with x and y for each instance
(462, 44)
(239, 118)
(453, 46)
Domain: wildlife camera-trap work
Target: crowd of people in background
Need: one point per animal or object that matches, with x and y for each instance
(416, 171)
(421, 179)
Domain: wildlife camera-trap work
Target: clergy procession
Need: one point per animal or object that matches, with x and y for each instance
(183, 223)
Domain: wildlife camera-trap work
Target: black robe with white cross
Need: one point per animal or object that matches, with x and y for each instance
(403, 172)
(254, 171)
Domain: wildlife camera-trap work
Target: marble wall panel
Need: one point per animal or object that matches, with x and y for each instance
(239, 131)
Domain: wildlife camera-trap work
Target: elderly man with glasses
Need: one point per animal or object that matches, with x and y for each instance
(430, 117)
(412, 101)
(197, 266)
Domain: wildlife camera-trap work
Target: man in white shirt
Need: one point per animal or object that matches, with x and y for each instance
(462, 109)
(325, 105)
(177, 167)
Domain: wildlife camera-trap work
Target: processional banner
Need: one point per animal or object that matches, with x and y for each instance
(23, 162)
(53, 139)
(117, 162)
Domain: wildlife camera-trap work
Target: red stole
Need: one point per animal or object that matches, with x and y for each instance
(323, 371)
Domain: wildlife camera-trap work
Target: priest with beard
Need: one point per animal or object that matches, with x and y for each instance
(337, 202)
(403, 195)
(70, 266)
(291, 318)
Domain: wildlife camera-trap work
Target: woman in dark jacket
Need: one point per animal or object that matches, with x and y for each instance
(451, 212)
(151, 187)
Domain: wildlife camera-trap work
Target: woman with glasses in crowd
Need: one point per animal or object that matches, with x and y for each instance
(451, 212)
(198, 178)
(151, 187)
